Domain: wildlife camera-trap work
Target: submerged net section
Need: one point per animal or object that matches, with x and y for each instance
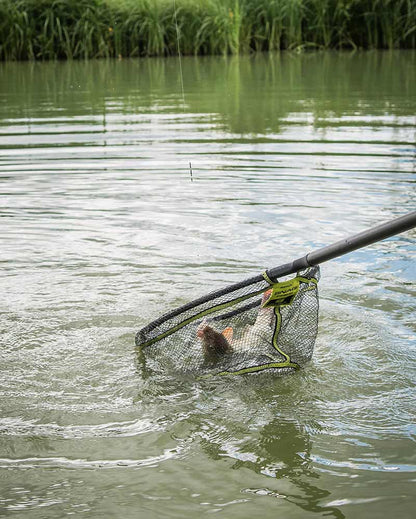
(249, 327)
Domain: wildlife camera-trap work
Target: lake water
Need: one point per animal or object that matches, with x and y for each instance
(103, 230)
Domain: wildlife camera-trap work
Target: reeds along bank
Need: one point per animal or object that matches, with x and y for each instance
(66, 29)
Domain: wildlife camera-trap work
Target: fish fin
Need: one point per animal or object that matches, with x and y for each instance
(228, 333)
(266, 296)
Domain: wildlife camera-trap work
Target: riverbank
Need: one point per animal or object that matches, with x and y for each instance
(74, 29)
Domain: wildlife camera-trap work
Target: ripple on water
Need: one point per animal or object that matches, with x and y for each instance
(103, 230)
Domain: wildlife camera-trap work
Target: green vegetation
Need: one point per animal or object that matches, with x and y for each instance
(66, 29)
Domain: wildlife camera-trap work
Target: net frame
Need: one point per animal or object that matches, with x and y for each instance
(148, 336)
(228, 304)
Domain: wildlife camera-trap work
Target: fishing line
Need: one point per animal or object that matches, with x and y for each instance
(180, 68)
(179, 55)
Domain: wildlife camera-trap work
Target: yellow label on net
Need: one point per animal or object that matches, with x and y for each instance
(283, 293)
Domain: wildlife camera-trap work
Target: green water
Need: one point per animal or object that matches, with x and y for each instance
(102, 230)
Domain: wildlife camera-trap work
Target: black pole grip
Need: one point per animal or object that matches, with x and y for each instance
(362, 239)
(357, 241)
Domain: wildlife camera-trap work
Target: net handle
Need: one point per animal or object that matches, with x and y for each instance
(362, 239)
(339, 248)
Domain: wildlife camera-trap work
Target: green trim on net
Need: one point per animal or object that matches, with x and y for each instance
(255, 369)
(213, 309)
(307, 280)
(195, 317)
(266, 278)
(282, 293)
(302, 279)
(287, 363)
(276, 334)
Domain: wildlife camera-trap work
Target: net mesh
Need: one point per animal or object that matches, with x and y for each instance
(253, 326)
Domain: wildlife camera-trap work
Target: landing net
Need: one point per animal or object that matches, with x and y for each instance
(256, 325)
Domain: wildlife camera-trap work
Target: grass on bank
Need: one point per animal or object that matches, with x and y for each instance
(69, 29)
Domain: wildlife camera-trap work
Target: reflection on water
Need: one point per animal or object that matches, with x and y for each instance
(289, 446)
(102, 230)
(278, 447)
(242, 95)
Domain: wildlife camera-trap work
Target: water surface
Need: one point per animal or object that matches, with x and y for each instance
(102, 230)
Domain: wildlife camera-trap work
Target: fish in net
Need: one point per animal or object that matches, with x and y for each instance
(252, 326)
(257, 325)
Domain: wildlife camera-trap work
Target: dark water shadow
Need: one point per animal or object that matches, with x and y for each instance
(255, 423)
